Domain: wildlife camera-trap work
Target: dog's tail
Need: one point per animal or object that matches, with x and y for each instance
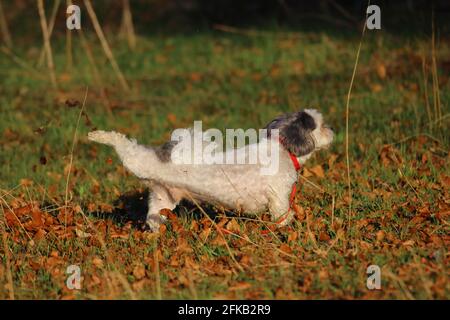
(110, 138)
(140, 160)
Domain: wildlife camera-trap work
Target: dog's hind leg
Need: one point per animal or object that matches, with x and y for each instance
(159, 198)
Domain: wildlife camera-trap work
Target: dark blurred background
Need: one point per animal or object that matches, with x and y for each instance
(150, 16)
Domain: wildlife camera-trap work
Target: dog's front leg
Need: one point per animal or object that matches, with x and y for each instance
(280, 211)
(159, 198)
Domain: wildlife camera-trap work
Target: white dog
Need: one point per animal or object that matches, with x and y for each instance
(239, 187)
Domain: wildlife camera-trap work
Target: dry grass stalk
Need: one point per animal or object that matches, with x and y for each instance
(50, 30)
(9, 277)
(71, 153)
(425, 88)
(157, 275)
(69, 58)
(434, 73)
(347, 116)
(48, 48)
(127, 28)
(105, 45)
(4, 28)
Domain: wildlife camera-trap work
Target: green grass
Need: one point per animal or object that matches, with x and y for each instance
(231, 81)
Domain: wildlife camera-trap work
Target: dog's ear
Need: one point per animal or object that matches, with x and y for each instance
(295, 132)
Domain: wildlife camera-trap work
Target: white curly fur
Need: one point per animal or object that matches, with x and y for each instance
(239, 187)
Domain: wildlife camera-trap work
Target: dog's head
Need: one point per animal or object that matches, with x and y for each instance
(302, 133)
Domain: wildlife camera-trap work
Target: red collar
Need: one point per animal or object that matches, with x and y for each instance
(293, 157)
(294, 161)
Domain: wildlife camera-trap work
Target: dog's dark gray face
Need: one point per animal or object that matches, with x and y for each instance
(302, 132)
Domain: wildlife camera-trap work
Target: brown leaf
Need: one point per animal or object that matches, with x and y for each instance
(183, 245)
(65, 216)
(332, 160)
(23, 210)
(219, 240)
(139, 271)
(174, 261)
(375, 88)
(233, 226)
(82, 234)
(96, 261)
(299, 212)
(195, 76)
(39, 235)
(380, 235)
(381, 70)
(169, 214)
(298, 67)
(445, 180)
(37, 218)
(11, 219)
(162, 229)
(245, 260)
(91, 207)
(240, 286)
(205, 234)
(139, 285)
(318, 171)
(35, 264)
(323, 236)
(72, 103)
(307, 173)
(172, 118)
(106, 207)
(285, 248)
(26, 182)
(408, 243)
(191, 263)
(292, 236)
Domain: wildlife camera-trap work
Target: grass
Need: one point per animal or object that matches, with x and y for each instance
(399, 169)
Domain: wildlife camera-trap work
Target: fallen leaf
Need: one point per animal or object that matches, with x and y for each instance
(26, 182)
(82, 234)
(292, 236)
(285, 248)
(139, 271)
(233, 226)
(37, 218)
(40, 234)
(408, 243)
(323, 236)
(318, 171)
(381, 70)
(380, 235)
(96, 261)
(240, 286)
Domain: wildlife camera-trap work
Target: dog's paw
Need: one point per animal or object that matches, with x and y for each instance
(153, 225)
(155, 221)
